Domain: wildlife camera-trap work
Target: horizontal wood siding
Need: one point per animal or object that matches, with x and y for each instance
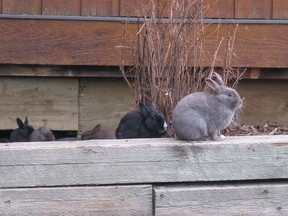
(280, 9)
(222, 200)
(219, 9)
(100, 8)
(253, 9)
(135, 161)
(265, 101)
(130, 8)
(21, 7)
(97, 43)
(61, 7)
(110, 200)
(103, 101)
(48, 102)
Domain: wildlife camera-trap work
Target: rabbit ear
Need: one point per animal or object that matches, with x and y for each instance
(19, 123)
(212, 84)
(218, 79)
(146, 110)
(26, 120)
(97, 128)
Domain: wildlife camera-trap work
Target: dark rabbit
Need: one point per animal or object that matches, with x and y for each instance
(22, 133)
(42, 134)
(97, 133)
(201, 116)
(143, 123)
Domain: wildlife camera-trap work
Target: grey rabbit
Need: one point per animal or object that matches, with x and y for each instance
(23, 132)
(202, 115)
(42, 134)
(143, 123)
(97, 133)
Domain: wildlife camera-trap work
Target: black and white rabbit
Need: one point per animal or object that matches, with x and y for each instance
(97, 133)
(201, 115)
(22, 133)
(42, 134)
(143, 123)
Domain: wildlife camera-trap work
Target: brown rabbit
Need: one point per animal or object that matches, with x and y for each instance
(97, 133)
(41, 134)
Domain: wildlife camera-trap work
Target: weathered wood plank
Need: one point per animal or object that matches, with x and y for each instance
(61, 7)
(95, 43)
(130, 9)
(60, 42)
(124, 161)
(110, 200)
(256, 9)
(280, 9)
(100, 8)
(49, 102)
(103, 101)
(265, 101)
(21, 7)
(219, 8)
(222, 200)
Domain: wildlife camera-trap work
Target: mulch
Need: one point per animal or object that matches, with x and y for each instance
(252, 130)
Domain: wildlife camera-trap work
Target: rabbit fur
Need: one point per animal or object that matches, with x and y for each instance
(23, 132)
(201, 115)
(97, 133)
(143, 123)
(42, 134)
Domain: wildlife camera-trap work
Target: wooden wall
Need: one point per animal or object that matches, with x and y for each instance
(84, 101)
(256, 9)
(60, 42)
(238, 176)
(78, 104)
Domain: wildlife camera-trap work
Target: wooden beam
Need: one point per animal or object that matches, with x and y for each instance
(100, 8)
(219, 8)
(21, 7)
(61, 7)
(200, 200)
(48, 102)
(280, 9)
(102, 162)
(110, 200)
(55, 42)
(269, 96)
(103, 101)
(256, 9)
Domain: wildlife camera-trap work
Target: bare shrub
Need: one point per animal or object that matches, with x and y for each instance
(169, 55)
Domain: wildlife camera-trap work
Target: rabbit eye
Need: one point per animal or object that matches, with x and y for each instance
(230, 94)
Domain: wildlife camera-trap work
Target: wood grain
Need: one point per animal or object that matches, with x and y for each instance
(110, 200)
(224, 200)
(95, 43)
(140, 161)
(48, 102)
(61, 7)
(256, 9)
(21, 7)
(60, 42)
(265, 101)
(100, 8)
(219, 9)
(280, 9)
(130, 9)
(103, 101)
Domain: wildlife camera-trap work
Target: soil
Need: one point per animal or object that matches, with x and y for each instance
(246, 130)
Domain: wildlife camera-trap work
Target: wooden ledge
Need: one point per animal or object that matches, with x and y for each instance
(141, 161)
